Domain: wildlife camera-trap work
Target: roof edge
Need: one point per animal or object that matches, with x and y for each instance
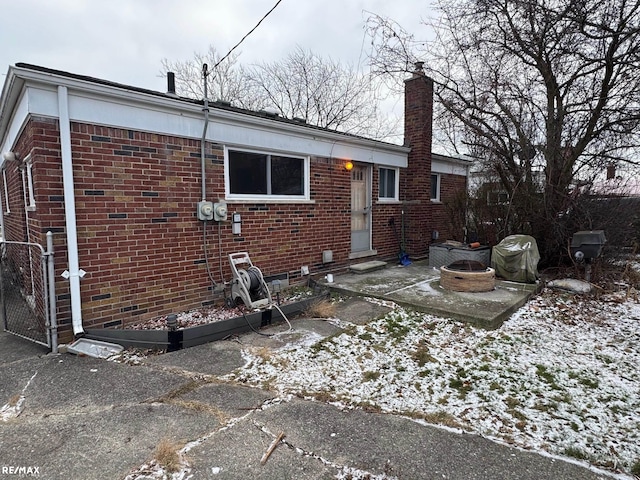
(218, 105)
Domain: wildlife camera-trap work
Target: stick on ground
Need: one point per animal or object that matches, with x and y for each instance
(271, 448)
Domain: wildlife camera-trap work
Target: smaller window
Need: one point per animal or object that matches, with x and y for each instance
(497, 198)
(435, 187)
(388, 184)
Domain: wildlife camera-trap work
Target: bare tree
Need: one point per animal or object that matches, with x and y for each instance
(226, 81)
(321, 91)
(537, 89)
(304, 85)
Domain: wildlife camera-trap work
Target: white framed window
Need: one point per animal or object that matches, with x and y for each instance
(6, 191)
(388, 184)
(255, 175)
(435, 187)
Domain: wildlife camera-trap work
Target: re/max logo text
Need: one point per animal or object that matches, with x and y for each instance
(11, 470)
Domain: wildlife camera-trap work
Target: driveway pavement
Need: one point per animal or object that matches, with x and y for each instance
(89, 419)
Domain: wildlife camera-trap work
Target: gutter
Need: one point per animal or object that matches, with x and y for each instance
(74, 273)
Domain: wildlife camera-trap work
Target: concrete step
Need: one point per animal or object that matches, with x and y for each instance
(369, 266)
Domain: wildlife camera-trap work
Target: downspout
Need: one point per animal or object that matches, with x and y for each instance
(26, 224)
(2, 201)
(205, 73)
(2, 216)
(73, 274)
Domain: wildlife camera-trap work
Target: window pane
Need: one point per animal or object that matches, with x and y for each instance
(248, 173)
(435, 188)
(383, 182)
(387, 183)
(391, 184)
(287, 176)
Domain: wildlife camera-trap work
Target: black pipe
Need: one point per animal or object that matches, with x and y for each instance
(171, 83)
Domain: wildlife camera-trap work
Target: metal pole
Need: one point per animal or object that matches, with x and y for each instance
(45, 294)
(203, 181)
(53, 320)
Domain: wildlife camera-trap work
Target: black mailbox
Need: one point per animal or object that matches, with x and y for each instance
(589, 242)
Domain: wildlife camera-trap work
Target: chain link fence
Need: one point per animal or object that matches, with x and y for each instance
(24, 293)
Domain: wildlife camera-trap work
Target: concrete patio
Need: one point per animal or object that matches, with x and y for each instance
(418, 286)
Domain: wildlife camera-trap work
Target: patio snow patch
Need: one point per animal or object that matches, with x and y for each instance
(559, 376)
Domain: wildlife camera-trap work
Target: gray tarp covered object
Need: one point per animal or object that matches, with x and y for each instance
(516, 258)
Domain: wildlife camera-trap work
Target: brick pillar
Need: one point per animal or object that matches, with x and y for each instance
(416, 181)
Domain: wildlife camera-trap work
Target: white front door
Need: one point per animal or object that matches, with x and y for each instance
(360, 209)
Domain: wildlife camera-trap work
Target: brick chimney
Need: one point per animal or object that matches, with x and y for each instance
(418, 119)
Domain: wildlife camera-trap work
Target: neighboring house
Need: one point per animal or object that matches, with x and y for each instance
(118, 175)
(613, 205)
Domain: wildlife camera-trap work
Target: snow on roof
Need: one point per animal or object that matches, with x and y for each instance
(618, 187)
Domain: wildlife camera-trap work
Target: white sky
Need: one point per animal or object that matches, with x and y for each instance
(125, 40)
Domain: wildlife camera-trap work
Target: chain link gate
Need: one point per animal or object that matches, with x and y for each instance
(27, 294)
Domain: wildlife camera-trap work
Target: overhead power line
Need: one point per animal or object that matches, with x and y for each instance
(250, 32)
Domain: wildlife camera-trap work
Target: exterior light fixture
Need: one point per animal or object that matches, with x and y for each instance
(9, 156)
(172, 322)
(348, 166)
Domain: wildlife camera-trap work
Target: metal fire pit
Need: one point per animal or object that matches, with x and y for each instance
(467, 276)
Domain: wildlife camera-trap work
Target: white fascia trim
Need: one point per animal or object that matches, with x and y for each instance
(121, 108)
(11, 89)
(15, 125)
(449, 168)
(451, 165)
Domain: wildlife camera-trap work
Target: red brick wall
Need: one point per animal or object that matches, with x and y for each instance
(386, 223)
(139, 238)
(444, 213)
(416, 181)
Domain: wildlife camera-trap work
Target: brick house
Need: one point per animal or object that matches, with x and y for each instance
(118, 175)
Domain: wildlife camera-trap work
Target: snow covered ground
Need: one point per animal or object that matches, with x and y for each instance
(561, 375)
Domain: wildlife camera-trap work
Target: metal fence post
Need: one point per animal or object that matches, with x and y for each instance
(51, 281)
